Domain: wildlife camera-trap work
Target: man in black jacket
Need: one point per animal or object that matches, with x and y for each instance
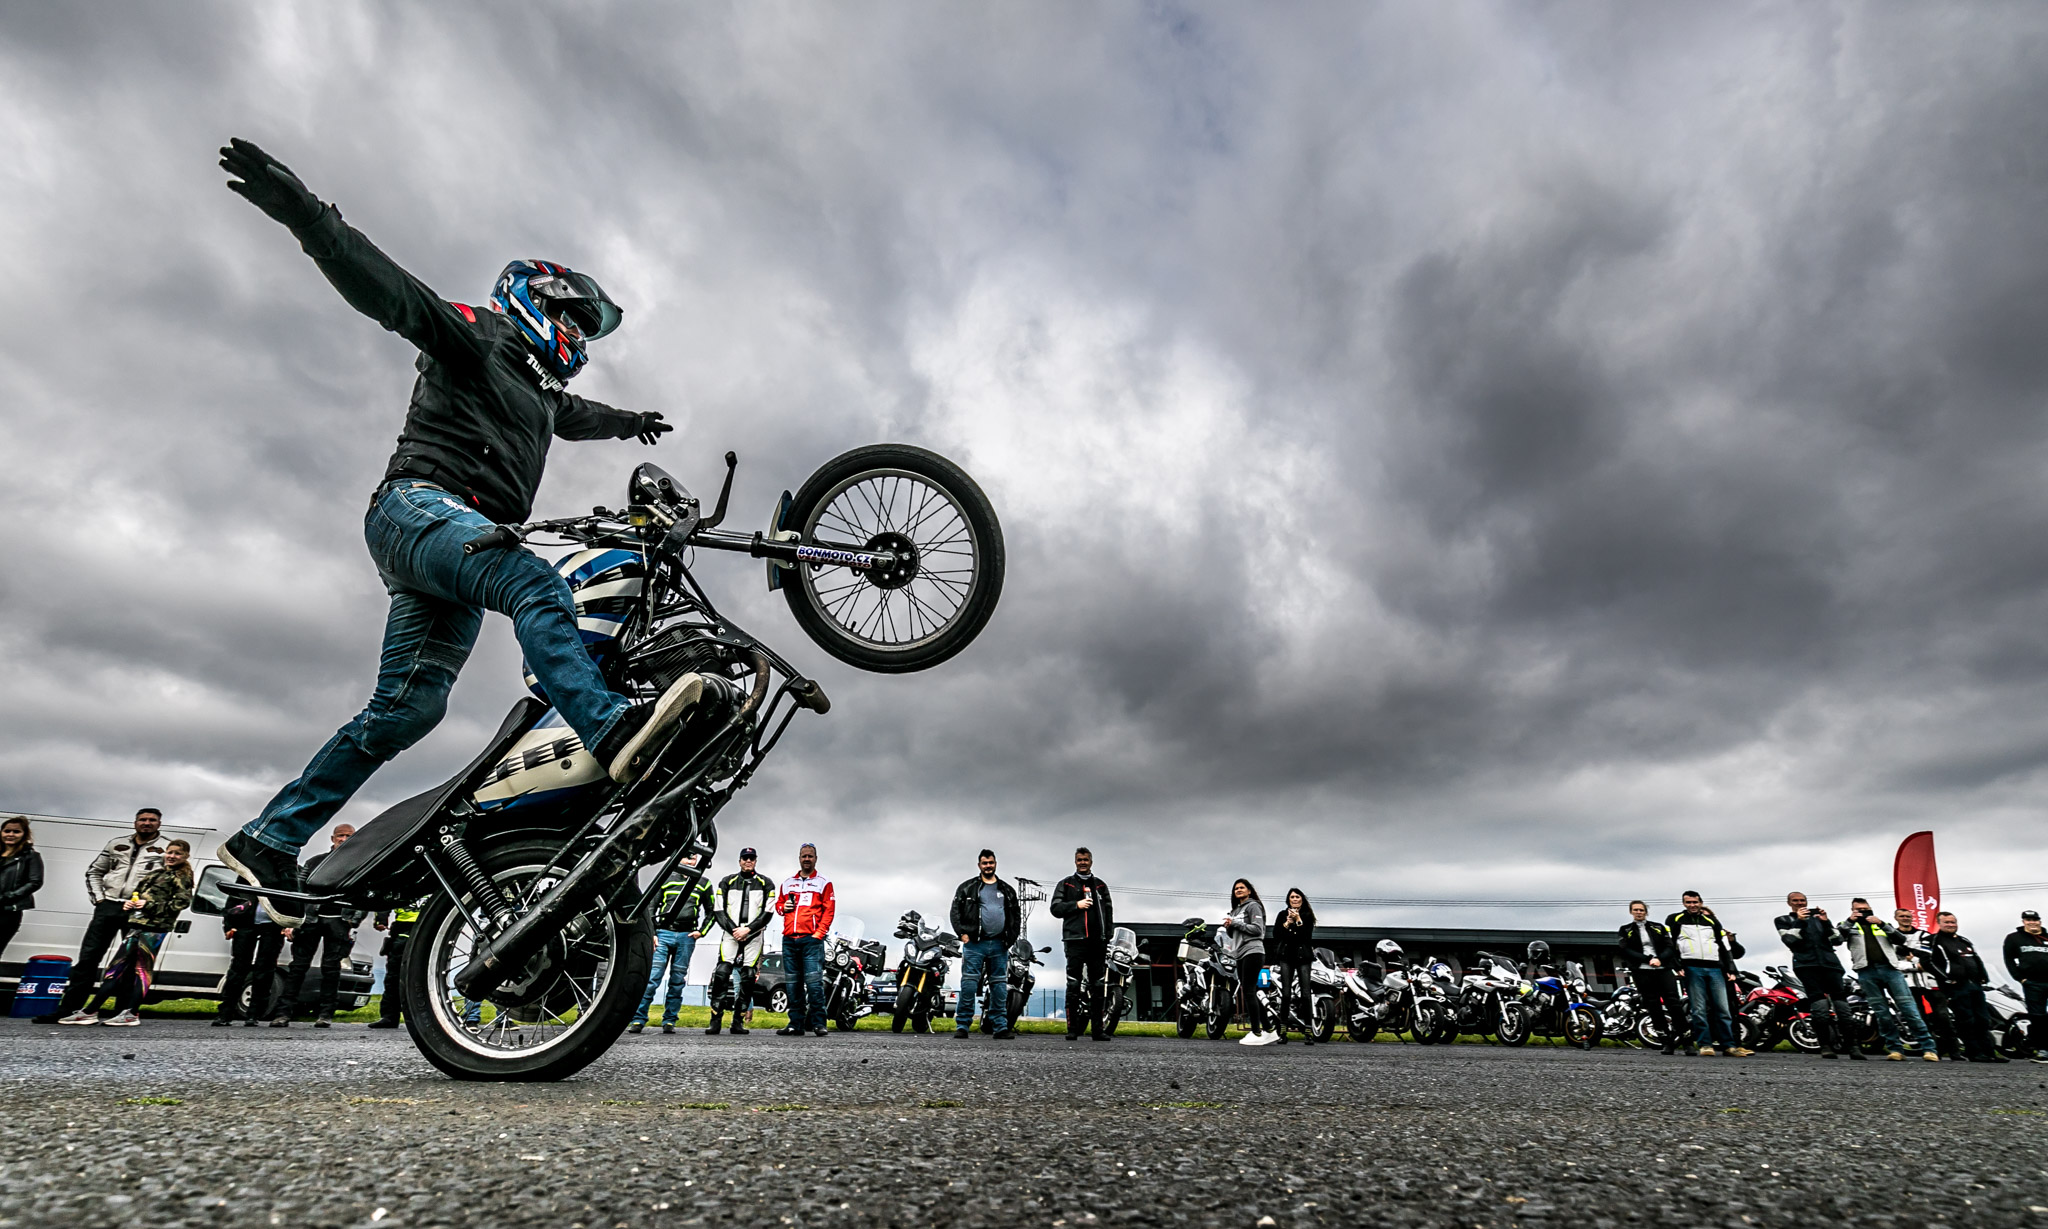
(330, 935)
(490, 393)
(254, 942)
(1813, 940)
(986, 917)
(1081, 902)
(2026, 958)
(1955, 966)
(1652, 960)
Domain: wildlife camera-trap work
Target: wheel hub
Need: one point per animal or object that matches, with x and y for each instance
(903, 570)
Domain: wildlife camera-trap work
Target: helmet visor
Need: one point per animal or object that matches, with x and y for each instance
(576, 300)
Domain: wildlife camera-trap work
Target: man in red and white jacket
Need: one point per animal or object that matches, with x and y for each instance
(806, 906)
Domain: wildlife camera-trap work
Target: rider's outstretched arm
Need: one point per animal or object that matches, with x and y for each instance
(372, 282)
(580, 418)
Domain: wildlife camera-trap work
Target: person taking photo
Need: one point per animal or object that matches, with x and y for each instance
(1813, 940)
(1293, 933)
(1873, 950)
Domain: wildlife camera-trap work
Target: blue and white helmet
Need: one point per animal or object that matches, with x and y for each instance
(557, 309)
(606, 582)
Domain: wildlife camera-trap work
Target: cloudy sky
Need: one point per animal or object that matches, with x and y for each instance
(1555, 451)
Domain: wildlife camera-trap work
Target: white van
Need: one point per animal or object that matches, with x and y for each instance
(194, 960)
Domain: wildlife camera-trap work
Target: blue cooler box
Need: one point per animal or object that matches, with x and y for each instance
(42, 985)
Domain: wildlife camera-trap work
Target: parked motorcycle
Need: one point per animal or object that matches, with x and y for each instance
(1559, 1005)
(1765, 1016)
(1622, 1016)
(1489, 1002)
(921, 977)
(1387, 996)
(1204, 991)
(1021, 982)
(1119, 976)
(2008, 1021)
(889, 557)
(849, 961)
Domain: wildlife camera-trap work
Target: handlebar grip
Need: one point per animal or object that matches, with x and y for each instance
(492, 539)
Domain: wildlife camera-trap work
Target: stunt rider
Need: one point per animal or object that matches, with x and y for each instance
(743, 905)
(490, 393)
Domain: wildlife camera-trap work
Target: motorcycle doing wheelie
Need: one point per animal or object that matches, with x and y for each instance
(530, 954)
(921, 975)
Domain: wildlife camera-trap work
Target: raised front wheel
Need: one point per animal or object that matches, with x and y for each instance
(942, 529)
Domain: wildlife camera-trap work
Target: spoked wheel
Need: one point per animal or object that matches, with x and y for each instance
(560, 1013)
(925, 508)
(1582, 1027)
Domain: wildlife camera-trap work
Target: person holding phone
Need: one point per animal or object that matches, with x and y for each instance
(1872, 944)
(806, 906)
(1086, 913)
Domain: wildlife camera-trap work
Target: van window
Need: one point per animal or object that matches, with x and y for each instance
(207, 896)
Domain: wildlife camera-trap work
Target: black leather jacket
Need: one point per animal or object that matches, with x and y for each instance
(1813, 941)
(966, 914)
(1082, 925)
(484, 407)
(1953, 960)
(20, 877)
(1660, 941)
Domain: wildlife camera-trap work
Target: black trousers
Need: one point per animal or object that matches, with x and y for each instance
(1248, 970)
(1973, 1018)
(252, 963)
(1827, 992)
(100, 933)
(1660, 999)
(1087, 964)
(10, 922)
(1941, 1021)
(330, 938)
(392, 1007)
(1301, 1007)
(2037, 1014)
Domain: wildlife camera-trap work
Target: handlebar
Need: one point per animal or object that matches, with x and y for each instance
(496, 538)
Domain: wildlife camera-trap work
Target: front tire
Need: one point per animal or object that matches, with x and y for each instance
(909, 499)
(565, 1010)
(1514, 1025)
(1582, 1027)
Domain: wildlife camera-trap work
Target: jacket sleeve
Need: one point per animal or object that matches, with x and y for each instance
(376, 286)
(1254, 923)
(828, 907)
(579, 418)
(2012, 955)
(1105, 907)
(1060, 906)
(181, 894)
(96, 875)
(958, 914)
(1631, 955)
(18, 896)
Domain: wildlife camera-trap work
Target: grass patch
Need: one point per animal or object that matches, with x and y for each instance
(938, 1105)
(2028, 1113)
(783, 1109)
(1735, 1109)
(722, 1105)
(616, 1102)
(153, 1101)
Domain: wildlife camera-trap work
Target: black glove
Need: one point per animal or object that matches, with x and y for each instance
(651, 427)
(268, 184)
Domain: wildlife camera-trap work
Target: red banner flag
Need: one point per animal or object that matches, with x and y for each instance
(1914, 880)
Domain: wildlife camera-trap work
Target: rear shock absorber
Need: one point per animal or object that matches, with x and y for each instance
(482, 891)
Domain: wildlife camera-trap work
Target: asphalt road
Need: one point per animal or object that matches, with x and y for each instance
(350, 1127)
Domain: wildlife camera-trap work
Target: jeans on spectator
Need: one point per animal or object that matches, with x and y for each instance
(803, 966)
(1713, 1024)
(975, 957)
(1878, 983)
(416, 533)
(1973, 1018)
(672, 952)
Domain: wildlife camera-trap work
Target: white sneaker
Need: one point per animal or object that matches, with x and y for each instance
(126, 1019)
(1258, 1039)
(81, 1017)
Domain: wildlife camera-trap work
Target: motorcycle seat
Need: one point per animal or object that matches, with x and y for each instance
(363, 854)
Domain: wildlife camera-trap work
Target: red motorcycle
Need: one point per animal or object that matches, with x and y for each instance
(1768, 1013)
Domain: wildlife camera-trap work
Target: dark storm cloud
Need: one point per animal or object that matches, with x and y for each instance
(1603, 439)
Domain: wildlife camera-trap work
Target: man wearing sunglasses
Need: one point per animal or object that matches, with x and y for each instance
(490, 396)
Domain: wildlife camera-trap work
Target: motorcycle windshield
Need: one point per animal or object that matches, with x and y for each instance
(850, 930)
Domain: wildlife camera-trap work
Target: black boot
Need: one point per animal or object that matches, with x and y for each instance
(263, 867)
(716, 1017)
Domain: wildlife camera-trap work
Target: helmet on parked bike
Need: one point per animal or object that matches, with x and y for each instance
(606, 583)
(557, 309)
(1387, 949)
(1539, 952)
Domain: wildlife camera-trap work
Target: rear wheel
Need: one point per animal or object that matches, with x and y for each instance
(1220, 1011)
(561, 1012)
(1803, 1035)
(938, 521)
(1582, 1027)
(1325, 1012)
(1185, 1021)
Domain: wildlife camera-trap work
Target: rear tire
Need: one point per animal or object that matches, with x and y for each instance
(1582, 1027)
(1185, 1022)
(909, 494)
(1803, 1035)
(550, 1024)
(1220, 1010)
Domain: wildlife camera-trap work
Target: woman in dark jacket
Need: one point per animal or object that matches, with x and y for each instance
(1293, 935)
(21, 875)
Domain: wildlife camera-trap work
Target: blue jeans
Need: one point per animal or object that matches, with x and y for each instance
(1707, 989)
(1877, 983)
(990, 955)
(438, 597)
(672, 952)
(803, 963)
